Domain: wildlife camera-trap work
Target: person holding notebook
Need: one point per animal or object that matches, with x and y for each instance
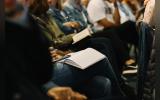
(65, 75)
(28, 59)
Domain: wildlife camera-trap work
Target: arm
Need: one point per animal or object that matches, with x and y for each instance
(98, 14)
(104, 22)
(72, 24)
(116, 15)
(64, 40)
(62, 93)
(145, 2)
(65, 93)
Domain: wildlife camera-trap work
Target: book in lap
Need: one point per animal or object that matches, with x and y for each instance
(84, 58)
(81, 35)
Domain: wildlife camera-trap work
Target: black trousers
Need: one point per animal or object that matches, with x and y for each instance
(120, 36)
(103, 45)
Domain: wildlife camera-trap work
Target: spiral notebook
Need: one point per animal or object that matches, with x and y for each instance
(84, 58)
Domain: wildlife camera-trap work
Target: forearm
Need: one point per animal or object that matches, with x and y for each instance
(64, 40)
(105, 23)
(67, 30)
(116, 15)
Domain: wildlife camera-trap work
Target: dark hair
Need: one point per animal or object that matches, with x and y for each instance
(39, 7)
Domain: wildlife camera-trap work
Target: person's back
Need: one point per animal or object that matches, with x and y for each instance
(27, 55)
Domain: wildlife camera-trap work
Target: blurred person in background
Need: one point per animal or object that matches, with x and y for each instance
(55, 8)
(28, 59)
(125, 12)
(149, 14)
(75, 11)
(10, 7)
(134, 5)
(26, 52)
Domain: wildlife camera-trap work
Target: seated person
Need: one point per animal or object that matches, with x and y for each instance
(64, 24)
(30, 58)
(104, 18)
(124, 10)
(75, 12)
(93, 42)
(149, 12)
(60, 41)
(109, 21)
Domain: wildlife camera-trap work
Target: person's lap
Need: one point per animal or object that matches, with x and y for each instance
(66, 75)
(84, 81)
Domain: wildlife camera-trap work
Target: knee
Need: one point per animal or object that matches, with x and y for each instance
(103, 85)
(99, 87)
(61, 71)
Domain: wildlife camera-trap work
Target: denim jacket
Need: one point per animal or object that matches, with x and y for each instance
(78, 15)
(60, 20)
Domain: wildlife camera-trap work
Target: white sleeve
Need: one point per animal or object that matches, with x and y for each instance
(96, 10)
(149, 12)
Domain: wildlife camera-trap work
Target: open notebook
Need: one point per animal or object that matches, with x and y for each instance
(84, 58)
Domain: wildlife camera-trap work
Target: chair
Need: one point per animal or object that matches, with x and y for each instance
(145, 62)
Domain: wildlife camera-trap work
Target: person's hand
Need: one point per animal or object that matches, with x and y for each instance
(72, 24)
(145, 2)
(65, 93)
(57, 54)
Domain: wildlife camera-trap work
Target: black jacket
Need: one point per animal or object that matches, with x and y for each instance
(27, 56)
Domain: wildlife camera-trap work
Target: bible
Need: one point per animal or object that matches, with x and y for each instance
(84, 58)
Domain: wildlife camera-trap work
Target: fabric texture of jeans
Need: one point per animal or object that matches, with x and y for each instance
(65, 75)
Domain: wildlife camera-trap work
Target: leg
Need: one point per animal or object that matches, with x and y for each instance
(96, 88)
(65, 75)
(119, 46)
(104, 45)
(128, 32)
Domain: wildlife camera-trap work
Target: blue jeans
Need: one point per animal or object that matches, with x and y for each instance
(65, 75)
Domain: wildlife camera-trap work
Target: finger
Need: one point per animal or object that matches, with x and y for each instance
(54, 96)
(78, 96)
